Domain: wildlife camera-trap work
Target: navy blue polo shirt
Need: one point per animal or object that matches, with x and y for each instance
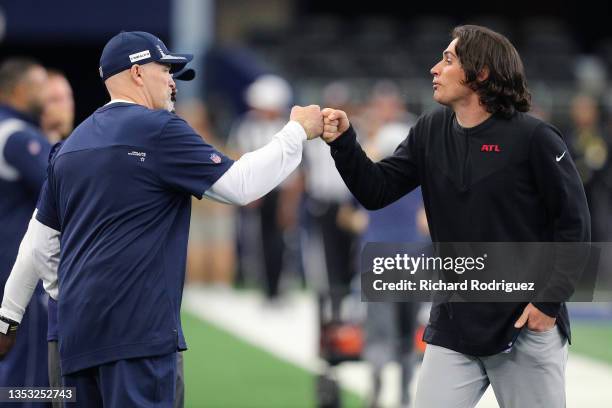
(119, 190)
(23, 168)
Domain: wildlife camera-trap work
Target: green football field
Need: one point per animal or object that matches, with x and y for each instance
(223, 371)
(592, 339)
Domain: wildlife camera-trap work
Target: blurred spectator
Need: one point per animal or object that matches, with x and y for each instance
(329, 253)
(210, 256)
(262, 224)
(57, 119)
(591, 75)
(57, 122)
(390, 327)
(24, 153)
(386, 109)
(331, 237)
(338, 93)
(590, 147)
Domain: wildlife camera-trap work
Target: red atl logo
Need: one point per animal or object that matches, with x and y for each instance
(490, 148)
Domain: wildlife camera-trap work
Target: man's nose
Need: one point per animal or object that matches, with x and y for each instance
(433, 71)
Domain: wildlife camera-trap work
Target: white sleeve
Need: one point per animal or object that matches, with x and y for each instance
(256, 173)
(38, 258)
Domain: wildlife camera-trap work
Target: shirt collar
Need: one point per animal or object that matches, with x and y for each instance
(119, 101)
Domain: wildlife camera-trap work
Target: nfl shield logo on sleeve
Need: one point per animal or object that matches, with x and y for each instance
(215, 158)
(34, 147)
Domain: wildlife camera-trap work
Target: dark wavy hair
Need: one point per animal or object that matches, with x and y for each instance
(505, 90)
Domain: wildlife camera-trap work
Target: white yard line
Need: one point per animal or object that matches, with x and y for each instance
(290, 332)
(287, 332)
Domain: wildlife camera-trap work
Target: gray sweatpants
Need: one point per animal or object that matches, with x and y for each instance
(55, 377)
(531, 375)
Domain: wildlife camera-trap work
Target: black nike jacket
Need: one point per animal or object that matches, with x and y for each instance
(505, 180)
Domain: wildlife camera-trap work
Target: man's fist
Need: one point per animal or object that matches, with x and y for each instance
(336, 123)
(310, 118)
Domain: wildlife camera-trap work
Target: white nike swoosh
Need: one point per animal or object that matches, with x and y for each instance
(560, 157)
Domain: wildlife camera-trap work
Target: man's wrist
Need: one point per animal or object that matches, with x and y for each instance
(296, 129)
(8, 326)
(347, 138)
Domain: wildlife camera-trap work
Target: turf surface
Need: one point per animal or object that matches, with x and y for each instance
(592, 339)
(224, 371)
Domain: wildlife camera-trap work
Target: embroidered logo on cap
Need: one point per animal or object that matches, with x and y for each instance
(140, 56)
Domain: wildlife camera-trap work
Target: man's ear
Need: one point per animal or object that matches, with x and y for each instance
(483, 75)
(19, 91)
(136, 74)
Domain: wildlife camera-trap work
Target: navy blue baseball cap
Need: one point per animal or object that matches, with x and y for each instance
(137, 47)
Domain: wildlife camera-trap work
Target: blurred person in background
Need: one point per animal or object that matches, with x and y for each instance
(520, 349)
(211, 249)
(24, 153)
(389, 326)
(147, 165)
(57, 123)
(386, 112)
(590, 147)
(329, 245)
(57, 119)
(332, 238)
(263, 224)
